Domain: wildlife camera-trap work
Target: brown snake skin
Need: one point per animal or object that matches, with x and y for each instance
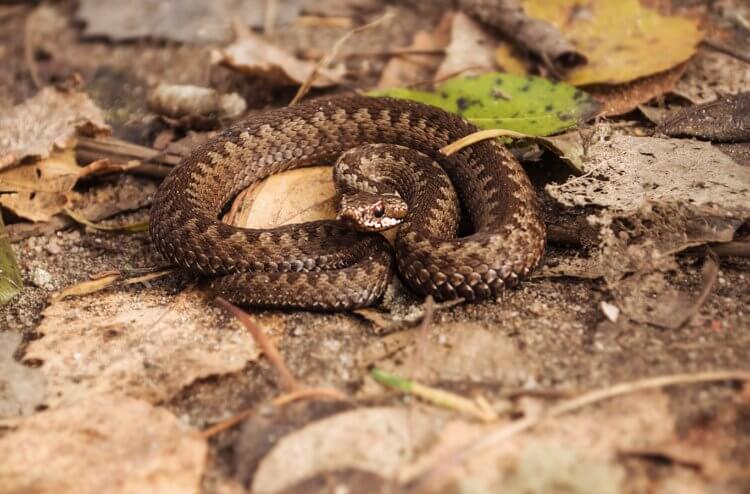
(324, 265)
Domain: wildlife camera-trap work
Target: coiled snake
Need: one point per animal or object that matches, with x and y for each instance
(326, 265)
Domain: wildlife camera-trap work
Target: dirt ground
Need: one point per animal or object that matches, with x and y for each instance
(548, 337)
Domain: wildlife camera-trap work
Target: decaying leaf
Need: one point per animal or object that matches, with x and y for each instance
(40, 190)
(533, 34)
(710, 75)
(470, 51)
(632, 171)
(48, 122)
(186, 101)
(136, 343)
(726, 119)
(406, 70)
(377, 440)
(186, 20)
(622, 40)
(255, 56)
(530, 105)
(10, 275)
(103, 443)
(296, 196)
(22, 388)
(623, 98)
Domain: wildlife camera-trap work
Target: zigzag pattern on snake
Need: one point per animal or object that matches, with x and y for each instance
(324, 265)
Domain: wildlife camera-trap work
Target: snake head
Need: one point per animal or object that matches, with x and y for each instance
(367, 212)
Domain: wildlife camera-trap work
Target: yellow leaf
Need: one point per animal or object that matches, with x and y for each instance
(621, 39)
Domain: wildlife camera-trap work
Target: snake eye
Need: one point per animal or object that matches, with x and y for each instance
(378, 210)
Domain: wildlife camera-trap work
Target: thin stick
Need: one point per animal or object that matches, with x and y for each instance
(28, 53)
(304, 393)
(714, 45)
(398, 52)
(288, 381)
(326, 60)
(428, 480)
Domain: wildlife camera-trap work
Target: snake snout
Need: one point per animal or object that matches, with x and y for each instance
(370, 212)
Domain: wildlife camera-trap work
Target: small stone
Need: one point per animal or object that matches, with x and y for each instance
(53, 247)
(42, 279)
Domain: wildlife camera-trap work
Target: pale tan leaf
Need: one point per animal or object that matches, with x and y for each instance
(110, 444)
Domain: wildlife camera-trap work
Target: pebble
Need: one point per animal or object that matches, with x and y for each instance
(42, 279)
(53, 247)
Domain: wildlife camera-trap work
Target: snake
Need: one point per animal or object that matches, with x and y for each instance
(470, 224)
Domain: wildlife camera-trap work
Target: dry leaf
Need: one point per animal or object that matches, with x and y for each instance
(296, 196)
(47, 122)
(406, 70)
(623, 98)
(710, 75)
(187, 20)
(186, 101)
(109, 444)
(137, 343)
(471, 49)
(377, 440)
(641, 170)
(21, 388)
(622, 41)
(40, 190)
(257, 57)
(574, 453)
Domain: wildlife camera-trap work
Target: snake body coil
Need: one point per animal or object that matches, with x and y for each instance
(325, 265)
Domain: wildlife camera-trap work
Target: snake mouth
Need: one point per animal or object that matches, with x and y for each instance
(366, 223)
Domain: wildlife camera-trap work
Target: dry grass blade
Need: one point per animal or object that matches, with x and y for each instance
(331, 56)
(432, 477)
(141, 226)
(470, 139)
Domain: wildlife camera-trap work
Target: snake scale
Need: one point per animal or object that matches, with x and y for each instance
(327, 265)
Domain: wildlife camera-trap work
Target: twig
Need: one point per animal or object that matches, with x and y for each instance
(288, 381)
(715, 45)
(269, 17)
(304, 393)
(28, 52)
(398, 52)
(428, 480)
(326, 60)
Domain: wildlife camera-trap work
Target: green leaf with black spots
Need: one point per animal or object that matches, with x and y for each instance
(526, 104)
(10, 275)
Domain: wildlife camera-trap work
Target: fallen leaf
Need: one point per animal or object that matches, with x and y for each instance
(406, 70)
(110, 444)
(40, 190)
(531, 34)
(726, 119)
(295, 196)
(376, 440)
(254, 56)
(525, 104)
(710, 75)
(135, 342)
(574, 453)
(623, 98)
(622, 41)
(188, 20)
(10, 276)
(48, 122)
(470, 51)
(22, 388)
(183, 101)
(633, 171)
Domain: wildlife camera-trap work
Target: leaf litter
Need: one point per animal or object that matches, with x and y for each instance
(553, 333)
